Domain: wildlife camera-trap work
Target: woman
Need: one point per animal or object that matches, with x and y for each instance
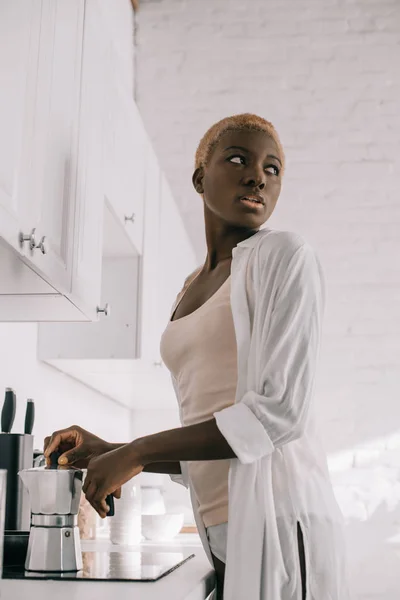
(242, 346)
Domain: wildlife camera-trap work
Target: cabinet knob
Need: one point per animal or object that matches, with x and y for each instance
(105, 310)
(131, 218)
(30, 237)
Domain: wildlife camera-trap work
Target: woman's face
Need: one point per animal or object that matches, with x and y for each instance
(243, 164)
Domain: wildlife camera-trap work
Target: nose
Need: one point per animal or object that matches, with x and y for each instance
(255, 178)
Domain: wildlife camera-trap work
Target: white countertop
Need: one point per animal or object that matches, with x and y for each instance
(194, 580)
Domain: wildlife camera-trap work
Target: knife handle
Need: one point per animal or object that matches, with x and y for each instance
(8, 412)
(29, 416)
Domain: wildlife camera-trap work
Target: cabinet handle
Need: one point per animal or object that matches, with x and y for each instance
(131, 218)
(105, 310)
(43, 245)
(158, 363)
(31, 238)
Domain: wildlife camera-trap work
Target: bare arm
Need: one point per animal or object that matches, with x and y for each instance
(107, 473)
(202, 441)
(165, 468)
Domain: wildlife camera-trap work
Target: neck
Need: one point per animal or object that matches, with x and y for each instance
(220, 242)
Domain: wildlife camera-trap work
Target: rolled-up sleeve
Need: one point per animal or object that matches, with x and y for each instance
(275, 411)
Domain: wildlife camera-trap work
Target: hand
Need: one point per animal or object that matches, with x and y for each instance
(77, 446)
(107, 473)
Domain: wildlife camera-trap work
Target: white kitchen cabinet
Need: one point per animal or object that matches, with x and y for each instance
(51, 175)
(20, 40)
(119, 356)
(124, 163)
(39, 106)
(49, 204)
(88, 218)
(105, 355)
(114, 335)
(79, 171)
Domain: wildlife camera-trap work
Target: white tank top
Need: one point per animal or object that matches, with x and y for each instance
(200, 351)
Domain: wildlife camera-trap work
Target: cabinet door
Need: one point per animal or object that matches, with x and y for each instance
(19, 47)
(50, 207)
(88, 226)
(124, 158)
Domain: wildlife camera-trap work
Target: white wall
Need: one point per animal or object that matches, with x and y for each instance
(59, 400)
(325, 72)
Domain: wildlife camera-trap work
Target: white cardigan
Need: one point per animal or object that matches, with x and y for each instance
(280, 476)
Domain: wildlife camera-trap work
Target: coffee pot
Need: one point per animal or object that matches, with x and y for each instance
(54, 542)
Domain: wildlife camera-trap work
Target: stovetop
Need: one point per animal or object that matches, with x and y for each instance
(113, 566)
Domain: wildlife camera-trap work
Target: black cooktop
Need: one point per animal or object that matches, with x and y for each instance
(112, 566)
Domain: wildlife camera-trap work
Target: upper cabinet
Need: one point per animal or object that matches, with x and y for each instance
(125, 158)
(48, 204)
(51, 150)
(20, 42)
(89, 192)
(92, 244)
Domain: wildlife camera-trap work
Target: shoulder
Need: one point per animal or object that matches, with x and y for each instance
(187, 281)
(284, 253)
(282, 244)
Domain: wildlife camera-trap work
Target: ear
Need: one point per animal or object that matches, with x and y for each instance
(197, 180)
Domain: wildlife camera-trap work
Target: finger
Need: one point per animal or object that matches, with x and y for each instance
(102, 508)
(90, 491)
(46, 442)
(117, 494)
(97, 507)
(53, 444)
(100, 495)
(59, 437)
(97, 498)
(87, 483)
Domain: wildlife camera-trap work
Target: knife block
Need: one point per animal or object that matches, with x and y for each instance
(16, 454)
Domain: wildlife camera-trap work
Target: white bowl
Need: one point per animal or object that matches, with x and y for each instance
(162, 527)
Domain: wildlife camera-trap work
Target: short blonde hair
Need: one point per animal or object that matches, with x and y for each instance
(244, 121)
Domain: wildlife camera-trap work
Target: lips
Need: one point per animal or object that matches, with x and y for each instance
(256, 198)
(251, 205)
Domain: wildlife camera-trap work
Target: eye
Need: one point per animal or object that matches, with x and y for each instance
(272, 169)
(239, 159)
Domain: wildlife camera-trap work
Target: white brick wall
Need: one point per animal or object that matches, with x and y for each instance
(325, 72)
